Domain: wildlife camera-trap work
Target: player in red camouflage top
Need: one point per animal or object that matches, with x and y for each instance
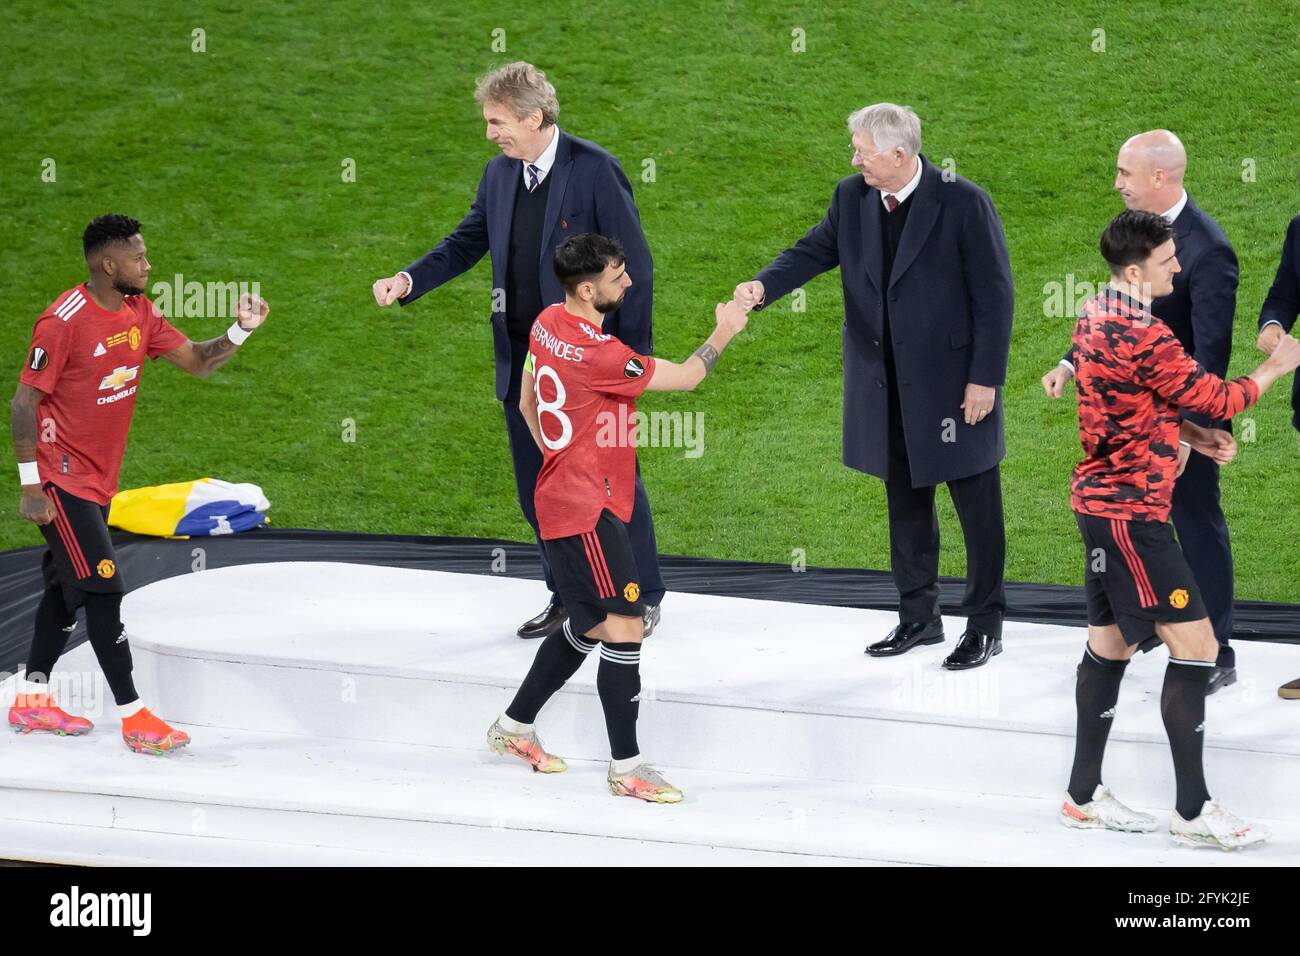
(1134, 377)
(579, 398)
(71, 416)
(1138, 378)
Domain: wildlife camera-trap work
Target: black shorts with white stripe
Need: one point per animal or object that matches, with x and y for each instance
(595, 574)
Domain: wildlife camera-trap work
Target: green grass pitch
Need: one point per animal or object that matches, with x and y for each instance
(233, 159)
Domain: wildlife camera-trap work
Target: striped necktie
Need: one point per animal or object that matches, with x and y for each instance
(533, 174)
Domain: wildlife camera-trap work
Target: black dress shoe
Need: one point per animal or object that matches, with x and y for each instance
(1220, 678)
(906, 636)
(974, 649)
(545, 624)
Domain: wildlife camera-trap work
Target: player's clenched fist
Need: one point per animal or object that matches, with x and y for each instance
(731, 316)
(1286, 353)
(252, 311)
(748, 294)
(389, 290)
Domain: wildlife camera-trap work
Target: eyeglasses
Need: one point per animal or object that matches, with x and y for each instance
(858, 154)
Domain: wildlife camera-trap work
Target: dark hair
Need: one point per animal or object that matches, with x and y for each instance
(1131, 237)
(106, 229)
(584, 257)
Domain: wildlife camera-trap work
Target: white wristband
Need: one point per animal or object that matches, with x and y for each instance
(237, 334)
(28, 473)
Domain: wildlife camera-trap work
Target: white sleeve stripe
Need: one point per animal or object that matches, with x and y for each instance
(70, 305)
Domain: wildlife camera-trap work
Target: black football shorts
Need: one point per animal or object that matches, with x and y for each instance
(595, 574)
(80, 556)
(1135, 575)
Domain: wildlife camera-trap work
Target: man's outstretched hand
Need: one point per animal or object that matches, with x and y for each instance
(1269, 337)
(748, 294)
(1054, 382)
(389, 290)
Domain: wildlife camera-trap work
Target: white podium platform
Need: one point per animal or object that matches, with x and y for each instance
(338, 714)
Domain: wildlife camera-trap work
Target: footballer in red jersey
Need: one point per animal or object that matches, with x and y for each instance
(71, 416)
(579, 399)
(1134, 378)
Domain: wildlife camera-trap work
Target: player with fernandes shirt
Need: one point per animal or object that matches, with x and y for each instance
(71, 415)
(579, 388)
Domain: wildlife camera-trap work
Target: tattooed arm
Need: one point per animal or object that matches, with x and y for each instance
(201, 359)
(672, 377)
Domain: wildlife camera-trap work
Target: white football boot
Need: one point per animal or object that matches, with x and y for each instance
(1104, 812)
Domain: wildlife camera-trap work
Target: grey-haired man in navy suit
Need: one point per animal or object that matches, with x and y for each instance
(544, 187)
(928, 306)
(1149, 176)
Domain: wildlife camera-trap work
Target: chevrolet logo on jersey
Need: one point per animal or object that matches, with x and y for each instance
(121, 375)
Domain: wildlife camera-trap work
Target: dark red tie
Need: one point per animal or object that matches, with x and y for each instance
(891, 203)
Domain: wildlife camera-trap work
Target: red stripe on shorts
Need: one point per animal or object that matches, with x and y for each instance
(70, 542)
(1146, 593)
(597, 561)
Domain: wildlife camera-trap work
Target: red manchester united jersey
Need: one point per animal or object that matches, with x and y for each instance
(586, 384)
(1133, 377)
(88, 363)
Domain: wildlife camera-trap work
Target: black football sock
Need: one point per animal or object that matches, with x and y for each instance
(1182, 705)
(54, 625)
(557, 660)
(108, 638)
(1096, 691)
(619, 684)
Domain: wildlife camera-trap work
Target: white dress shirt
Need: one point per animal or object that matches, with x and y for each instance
(906, 190)
(1176, 209)
(545, 161)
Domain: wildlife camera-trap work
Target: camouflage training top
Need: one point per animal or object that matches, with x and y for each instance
(1133, 378)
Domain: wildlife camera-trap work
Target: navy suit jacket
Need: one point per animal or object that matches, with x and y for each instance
(1201, 308)
(950, 312)
(1283, 301)
(588, 193)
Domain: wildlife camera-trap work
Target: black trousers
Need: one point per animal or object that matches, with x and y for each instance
(1203, 533)
(528, 462)
(914, 538)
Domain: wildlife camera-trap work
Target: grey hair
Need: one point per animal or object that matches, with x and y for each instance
(521, 88)
(888, 125)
